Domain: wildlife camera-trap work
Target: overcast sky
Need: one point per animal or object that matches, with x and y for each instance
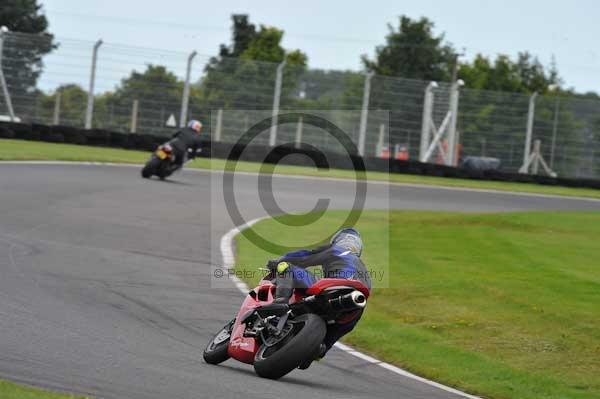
(335, 33)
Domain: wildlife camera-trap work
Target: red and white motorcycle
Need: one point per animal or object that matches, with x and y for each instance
(277, 338)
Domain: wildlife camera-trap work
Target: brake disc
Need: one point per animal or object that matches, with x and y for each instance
(222, 336)
(273, 340)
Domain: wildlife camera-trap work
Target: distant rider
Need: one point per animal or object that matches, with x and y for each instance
(339, 259)
(186, 139)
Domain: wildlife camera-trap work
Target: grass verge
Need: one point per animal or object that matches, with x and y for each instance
(34, 150)
(499, 305)
(8, 390)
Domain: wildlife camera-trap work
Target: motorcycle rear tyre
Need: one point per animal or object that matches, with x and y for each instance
(294, 351)
(150, 168)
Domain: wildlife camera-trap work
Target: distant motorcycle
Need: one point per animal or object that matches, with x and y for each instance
(277, 338)
(163, 162)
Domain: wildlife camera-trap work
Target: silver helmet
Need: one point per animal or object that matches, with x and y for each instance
(348, 239)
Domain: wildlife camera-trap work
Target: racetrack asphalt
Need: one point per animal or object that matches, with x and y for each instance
(105, 281)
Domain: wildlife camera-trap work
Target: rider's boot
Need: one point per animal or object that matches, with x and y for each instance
(285, 282)
(280, 303)
(283, 293)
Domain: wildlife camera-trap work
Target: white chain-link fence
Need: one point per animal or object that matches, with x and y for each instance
(142, 90)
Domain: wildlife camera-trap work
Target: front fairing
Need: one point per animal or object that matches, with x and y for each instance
(244, 348)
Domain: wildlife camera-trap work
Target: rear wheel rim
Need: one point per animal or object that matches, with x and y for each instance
(266, 351)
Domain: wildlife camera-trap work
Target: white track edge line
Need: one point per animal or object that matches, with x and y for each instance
(336, 179)
(228, 256)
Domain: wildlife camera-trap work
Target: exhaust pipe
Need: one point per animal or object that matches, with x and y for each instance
(351, 301)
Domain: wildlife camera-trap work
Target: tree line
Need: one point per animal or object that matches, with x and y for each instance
(239, 77)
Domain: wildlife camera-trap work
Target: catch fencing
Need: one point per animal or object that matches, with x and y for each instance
(143, 90)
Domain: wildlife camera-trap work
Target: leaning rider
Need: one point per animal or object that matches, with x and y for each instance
(339, 259)
(186, 139)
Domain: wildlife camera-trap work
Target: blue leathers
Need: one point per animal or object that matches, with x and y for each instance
(335, 261)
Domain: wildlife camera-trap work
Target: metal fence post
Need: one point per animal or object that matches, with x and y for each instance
(7, 98)
(276, 98)
(134, 116)
(246, 123)
(111, 115)
(529, 134)
(380, 140)
(426, 121)
(56, 116)
(554, 129)
(36, 108)
(536, 151)
(362, 132)
(90, 100)
(219, 126)
(453, 138)
(299, 133)
(186, 91)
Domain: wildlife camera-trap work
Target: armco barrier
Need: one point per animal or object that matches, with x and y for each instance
(23, 131)
(70, 134)
(303, 156)
(119, 140)
(97, 137)
(6, 133)
(46, 134)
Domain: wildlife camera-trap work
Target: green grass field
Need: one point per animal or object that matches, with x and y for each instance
(8, 390)
(500, 305)
(32, 150)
